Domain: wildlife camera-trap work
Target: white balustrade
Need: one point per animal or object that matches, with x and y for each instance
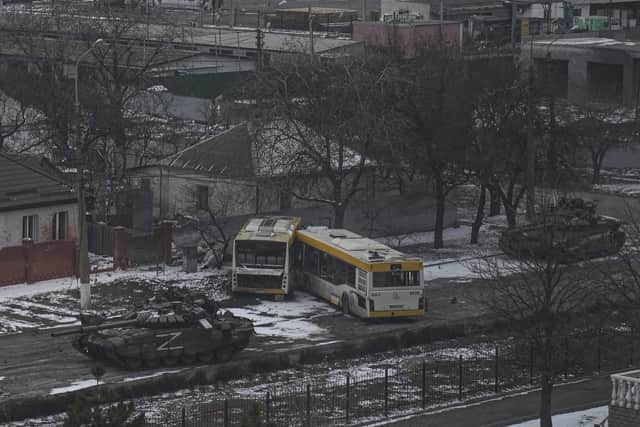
(625, 390)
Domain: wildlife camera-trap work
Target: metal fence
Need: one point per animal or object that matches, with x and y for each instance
(391, 389)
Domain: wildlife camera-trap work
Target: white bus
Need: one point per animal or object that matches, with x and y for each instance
(360, 275)
(261, 255)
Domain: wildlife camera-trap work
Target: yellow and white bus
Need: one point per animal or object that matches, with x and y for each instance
(262, 255)
(360, 275)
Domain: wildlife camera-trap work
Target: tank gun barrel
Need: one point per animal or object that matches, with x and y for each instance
(94, 328)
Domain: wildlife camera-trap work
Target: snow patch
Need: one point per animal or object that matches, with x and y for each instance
(155, 374)
(76, 385)
(573, 419)
(271, 318)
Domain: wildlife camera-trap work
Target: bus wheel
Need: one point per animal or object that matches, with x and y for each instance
(346, 309)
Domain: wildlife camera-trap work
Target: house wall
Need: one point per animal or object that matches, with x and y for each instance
(400, 8)
(582, 64)
(11, 223)
(407, 38)
(174, 192)
(536, 10)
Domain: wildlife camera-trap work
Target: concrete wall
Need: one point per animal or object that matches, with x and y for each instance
(11, 223)
(623, 417)
(578, 71)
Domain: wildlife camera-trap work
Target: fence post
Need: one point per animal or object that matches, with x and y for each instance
(267, 409)
(348, 400)
(566, 357)
(424, 383)
(495, 372)
(119, 257)
(531, 363)
(226, 413)
(308, 405)
(27, 251)
(386, 391)
(460, 377)
(184, 417)
(599, 348)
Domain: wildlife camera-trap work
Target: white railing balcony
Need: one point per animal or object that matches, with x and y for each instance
(625, 390)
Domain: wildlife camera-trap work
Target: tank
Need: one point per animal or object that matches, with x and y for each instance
(164, 333)
(571, 231)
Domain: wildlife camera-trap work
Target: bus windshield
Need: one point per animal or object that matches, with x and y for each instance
(393, 279)
(257, 253)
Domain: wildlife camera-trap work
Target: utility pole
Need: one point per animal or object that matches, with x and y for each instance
(311, 46)
(259, 45)
(83, 261)
(514, 11)
(531, 147)
(364, 10)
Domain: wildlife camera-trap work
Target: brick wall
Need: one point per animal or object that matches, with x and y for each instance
(33, 262)
(623, 417)
(134, 248)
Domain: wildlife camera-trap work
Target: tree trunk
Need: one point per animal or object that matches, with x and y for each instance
(475, 228)
(510, 212)
(545, 400)
(596, 164)
(438, 240)
(494, 206)
(338, 215)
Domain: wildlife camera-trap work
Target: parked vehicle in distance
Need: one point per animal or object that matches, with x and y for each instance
(262, 255)
(362, 276)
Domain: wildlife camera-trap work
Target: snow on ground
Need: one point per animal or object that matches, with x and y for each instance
(624, 189)
(76, 385)
(400, 240)
(573, 419)
(155, 374)
(295, 322)
(55, 302)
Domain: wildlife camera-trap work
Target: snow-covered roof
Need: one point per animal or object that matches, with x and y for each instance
(271, 228)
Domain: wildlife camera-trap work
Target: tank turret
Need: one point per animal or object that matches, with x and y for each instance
(167, 333)
(571, 231)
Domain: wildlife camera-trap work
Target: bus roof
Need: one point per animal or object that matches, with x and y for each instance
(364, 253)
(269, 228)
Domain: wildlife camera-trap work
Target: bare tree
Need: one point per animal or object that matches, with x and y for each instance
(318, 123)
(212, 214)
(432, 125)
(538, 297)
(597, 129)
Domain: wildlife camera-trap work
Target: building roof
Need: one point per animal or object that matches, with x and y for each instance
(629, 47)
(27, 184)
(227, 154)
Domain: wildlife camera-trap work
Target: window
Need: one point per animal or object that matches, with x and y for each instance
(60, 225)
(252, 253)
(202, 194)
(396, 278)
(30, 227)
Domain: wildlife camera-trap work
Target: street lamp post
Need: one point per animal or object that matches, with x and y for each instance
(85, 291)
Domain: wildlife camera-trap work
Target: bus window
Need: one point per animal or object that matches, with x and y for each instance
(395, 279)
(260, 253)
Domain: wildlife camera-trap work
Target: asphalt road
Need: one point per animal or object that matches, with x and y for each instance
(507, 410)
(33, 363)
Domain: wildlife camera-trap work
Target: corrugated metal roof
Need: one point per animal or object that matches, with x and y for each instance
(24, 184)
